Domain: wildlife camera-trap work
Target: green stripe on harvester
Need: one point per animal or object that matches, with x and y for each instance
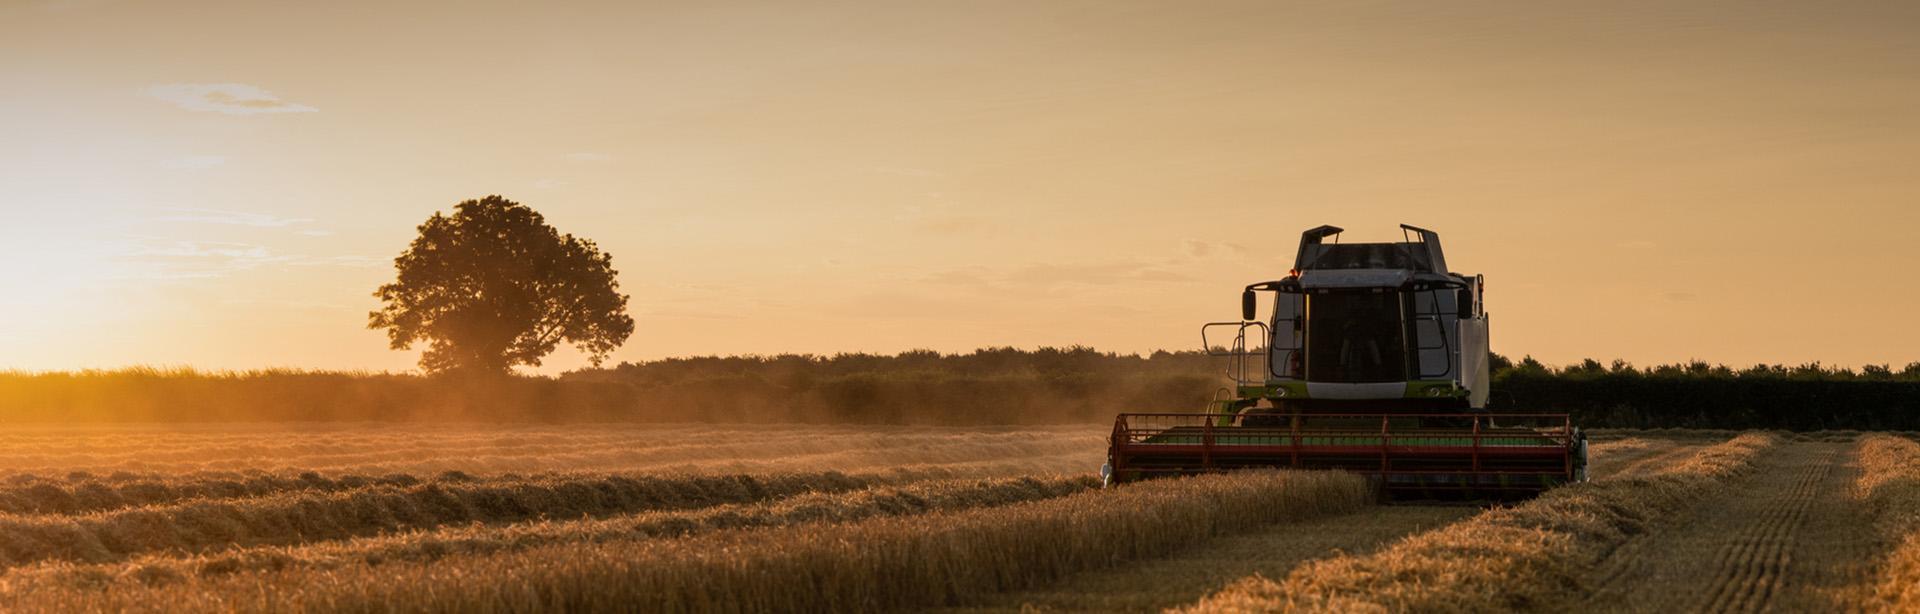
(1305, 440)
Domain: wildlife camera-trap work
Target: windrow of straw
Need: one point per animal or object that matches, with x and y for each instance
(281, 440)
(1891, 482)
(292, 518)
(86, 493)
(468, 540)
(61, 445)
(83, 449)
(29, 495)
(638, 446)
(883, 563)
(1516, 558)
(845, 451)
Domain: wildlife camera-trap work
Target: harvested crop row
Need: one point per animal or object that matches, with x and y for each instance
(1608, 457)
(86, 493)
(1505, 559)
(1187, 576)
(1659, 460)
(747, 457)
(1082, 461)
(213, 436)
(876, 564)
(1891, 483)
(54, 496)
(1773, 542)
(468, 540)
(65, 449)
(201, 525)
(737, 456)
(319, 455)
(81, 448)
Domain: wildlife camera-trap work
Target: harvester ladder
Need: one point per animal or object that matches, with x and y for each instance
(1240, 361)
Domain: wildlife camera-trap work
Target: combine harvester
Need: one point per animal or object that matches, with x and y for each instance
(1373, 361)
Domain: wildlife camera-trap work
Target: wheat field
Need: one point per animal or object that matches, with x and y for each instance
(450, 518)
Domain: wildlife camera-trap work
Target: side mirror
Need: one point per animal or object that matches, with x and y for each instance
(1463, 303)
(1247, 305)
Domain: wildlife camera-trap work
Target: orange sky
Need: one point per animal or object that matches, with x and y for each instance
(223, 184)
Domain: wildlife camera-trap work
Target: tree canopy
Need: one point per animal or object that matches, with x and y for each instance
(493, 286)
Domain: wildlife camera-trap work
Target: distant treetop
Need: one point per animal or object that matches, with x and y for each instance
(493, 286)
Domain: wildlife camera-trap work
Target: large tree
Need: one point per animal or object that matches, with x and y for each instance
(493, 286)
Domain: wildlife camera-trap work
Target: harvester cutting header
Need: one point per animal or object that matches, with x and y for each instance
(1374, 359)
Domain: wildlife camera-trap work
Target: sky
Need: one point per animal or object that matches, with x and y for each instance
(223, 184)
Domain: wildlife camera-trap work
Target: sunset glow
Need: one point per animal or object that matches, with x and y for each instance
(224, 184)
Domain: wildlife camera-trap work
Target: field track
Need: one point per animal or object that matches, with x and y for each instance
(1787, 537)
(1274, 551)
(820, 518)
(1190, 574)
(1640, 457)
(129, 453)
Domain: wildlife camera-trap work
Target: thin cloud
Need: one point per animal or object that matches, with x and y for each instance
(174, 260)
(228, 98)
(163, 259)
(589, 157)
(207, 249)
(1196, 249)
(308, 305)
(1048, 277)
(233, 218)
(354, 262)
(692, 314)
(1092, 274)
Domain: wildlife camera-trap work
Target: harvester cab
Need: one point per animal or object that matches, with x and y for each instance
(1372, 358)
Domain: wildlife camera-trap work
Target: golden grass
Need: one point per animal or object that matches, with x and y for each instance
(290, 518)
(883, 563)
(1187, 576)
(1891, 482)
(1182, 577)
(75, 471)
(28, 495)
(415, 450)
(1522, 557)
(467, 540)
(465, 517)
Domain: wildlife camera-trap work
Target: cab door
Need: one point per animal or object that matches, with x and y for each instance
(1432, 317)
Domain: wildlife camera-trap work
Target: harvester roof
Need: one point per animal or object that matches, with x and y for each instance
(1368, 265)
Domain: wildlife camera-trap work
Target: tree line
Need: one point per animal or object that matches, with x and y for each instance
(983, 387)
(1696, 394)
(988, 386)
